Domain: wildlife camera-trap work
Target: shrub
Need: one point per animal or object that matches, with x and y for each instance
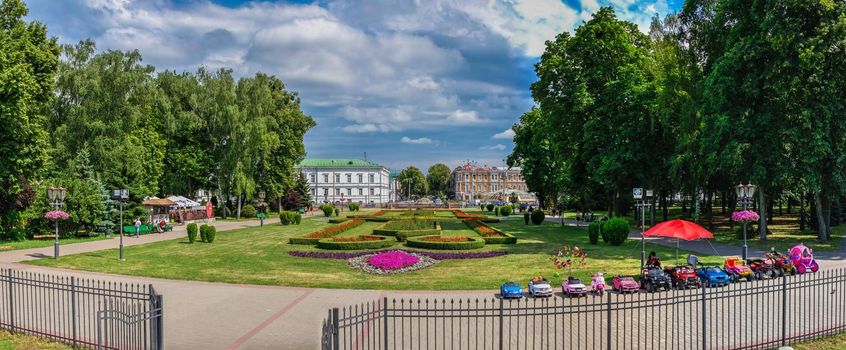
(593, 232)
(490, 207)
(423, 242)
(192, 232)
(327, 209)
(482, 206)
(286, 217)
(248, 211)
(526, 218)
(298, 218)
(204, 232)
(538, 216)
(337, 211)
(353, 206)
(617, 230)
(505, 211)
(496, 211)
(212, 233)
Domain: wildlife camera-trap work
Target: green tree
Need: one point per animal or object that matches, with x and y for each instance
(28, 61)
(303, 190)
(412, 178)
(534, 153)
(438, 179)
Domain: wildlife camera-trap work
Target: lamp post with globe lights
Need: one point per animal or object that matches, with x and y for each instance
(262, 205)
(744, 198)
(121, 196)
(56, 195)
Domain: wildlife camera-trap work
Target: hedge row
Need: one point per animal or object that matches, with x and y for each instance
(338, 220)
(490, 234)
(408, 228)
(419, 242)
(314, 237)
(328, 243)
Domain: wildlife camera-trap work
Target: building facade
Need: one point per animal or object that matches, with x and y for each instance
(471, 181)
(346, 180)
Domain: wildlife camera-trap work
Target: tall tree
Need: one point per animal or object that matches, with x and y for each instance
(534, 153)
(438, 179)
(412, 179)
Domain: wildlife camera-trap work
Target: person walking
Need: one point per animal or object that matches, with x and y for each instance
(137, 227)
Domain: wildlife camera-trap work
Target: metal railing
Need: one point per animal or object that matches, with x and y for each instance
(75, 310)
(750, 315)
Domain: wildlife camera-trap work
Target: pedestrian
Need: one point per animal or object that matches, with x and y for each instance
(137, 227)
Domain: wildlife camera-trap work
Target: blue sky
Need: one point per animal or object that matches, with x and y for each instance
(408, 82)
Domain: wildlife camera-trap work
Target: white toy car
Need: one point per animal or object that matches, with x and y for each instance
(540, 288)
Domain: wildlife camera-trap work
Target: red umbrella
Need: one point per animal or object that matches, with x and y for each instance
(678, 229)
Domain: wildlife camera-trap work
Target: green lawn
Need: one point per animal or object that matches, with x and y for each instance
(44, 242)
(260, 256)
(835, 342)
(17, 341)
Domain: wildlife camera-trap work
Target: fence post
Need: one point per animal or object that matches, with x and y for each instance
(501, 319)
(784, 310)
(11, 301)
(385, 322)
(73, 309)
(704, 320)
(608, 326)
(336, 338)
(160, 323)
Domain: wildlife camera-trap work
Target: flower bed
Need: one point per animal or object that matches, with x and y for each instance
(389, 262)
(355, 243)
(490, 234)
(433, 255)
(402, 229)
(314, 237)
(367, 216)
(423, 242)
(462, 215)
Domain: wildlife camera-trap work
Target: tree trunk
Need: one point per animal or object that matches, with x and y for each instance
(802, 212)
(709, 208)
(823, 216)
(664, 206)
(771, 210)
(618, 204)
(238, 209)
(789, 205)
(763, 220)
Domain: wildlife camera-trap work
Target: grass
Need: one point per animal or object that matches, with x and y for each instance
(835, 342)
(43, 242)
(18, 341)
(259, 255)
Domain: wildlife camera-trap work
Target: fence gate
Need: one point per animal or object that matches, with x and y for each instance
(131, 324)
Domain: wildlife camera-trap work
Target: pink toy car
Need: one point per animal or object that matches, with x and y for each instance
(625, 284)
(802, 258)
(573, 287)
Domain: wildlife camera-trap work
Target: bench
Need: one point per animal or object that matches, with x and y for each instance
(144, 229)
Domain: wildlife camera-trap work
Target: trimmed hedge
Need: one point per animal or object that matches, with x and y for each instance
(327, 209)
(403, 235)
(288, 217)
(377, 219)
(328, 243)
(207, 233)
(192, 232)
(490, 207)
(204, 230)
(593, 232)
(505, 211)
(248, 211)
(353, 206)
(338, 220)
(526, 218)
(537, 216)
(617, 230)
(418, 242)
(403, 229)
(298, 218)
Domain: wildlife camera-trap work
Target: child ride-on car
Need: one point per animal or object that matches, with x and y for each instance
(736, 269)
(539, 287)
(782, 265)
(598, 284)
(511, 290)
(624, 284)
(682, 277)
(654, 279)
(573, 287)
(713, 276)
(802, 259)
(761, 268)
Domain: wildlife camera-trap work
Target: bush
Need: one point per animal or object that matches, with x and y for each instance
(482, 206)
(204, 232)
(327, 209)
(617, 230)
(353, 206)
(538, 216)
(593, 232)
(212, 233)
(505, 211)
(496, 211)
(526, 218)
(337, 211)
(490, 207)
(421, 242)
(192, 232)
(248, 211)
(298, 218)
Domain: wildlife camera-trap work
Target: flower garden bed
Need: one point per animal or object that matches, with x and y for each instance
(425, 243)
(367, 216)
(355, 243)
(433, 255)
(390, 262)
(462, 215)
(402, 229)
(490, 234)
(315, 237)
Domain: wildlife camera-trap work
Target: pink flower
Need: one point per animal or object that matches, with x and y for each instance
(392, 260)
(56, 215)
(745, 216)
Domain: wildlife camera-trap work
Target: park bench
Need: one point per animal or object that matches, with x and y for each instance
(145, 229)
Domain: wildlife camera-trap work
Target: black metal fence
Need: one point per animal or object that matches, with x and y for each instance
(82, 312)
(750, 315)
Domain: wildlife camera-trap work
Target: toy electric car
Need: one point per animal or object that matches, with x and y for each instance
(737, 270)
(624, 284)
(682, 277)
(511, 290)
(761, 268)
(573, 287)
(802, 258)
(654, 279)
(713, 276)
(539, 287)
(782, 265)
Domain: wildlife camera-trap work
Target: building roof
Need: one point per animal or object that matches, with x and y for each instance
(158, 202)
(337, 163)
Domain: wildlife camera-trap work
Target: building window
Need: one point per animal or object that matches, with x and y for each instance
(337, 191)
(325, 191)
(311, 178)
(349, 178)
(360, 178)
(360, 192)
(325, 177)
(371, 178)
(349, 192)
(371, 191)
(466, 177)
(337, 178)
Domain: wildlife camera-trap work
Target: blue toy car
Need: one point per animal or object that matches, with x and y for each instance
(511, 290)
(712, 276)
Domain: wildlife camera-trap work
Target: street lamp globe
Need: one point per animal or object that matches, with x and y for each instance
(750, 190)
(740, 190)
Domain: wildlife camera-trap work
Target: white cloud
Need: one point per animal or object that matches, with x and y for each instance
(497, 147)
(464, 117)
(508, 134)
(418, 141)
(366, 128)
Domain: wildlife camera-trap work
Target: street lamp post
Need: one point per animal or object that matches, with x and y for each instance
(643, 198)
(744, 198)
(261, 204)
(57, 198)
(122, 196)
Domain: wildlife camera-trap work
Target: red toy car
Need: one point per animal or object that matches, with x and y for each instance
(625, 284)
(683, 277)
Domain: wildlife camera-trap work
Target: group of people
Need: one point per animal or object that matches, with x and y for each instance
(160, 228)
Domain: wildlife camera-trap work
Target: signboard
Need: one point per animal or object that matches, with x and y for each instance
(648, 193)
(209, 210)
(637, 193)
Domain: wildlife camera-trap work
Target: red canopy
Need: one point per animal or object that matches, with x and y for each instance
(682, 229)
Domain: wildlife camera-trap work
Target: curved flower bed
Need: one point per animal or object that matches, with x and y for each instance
(462, 215)
(425, 243)
(490, 234)
(314, 237)
(433, 255)
(355, 243)
(745, 216)
(390, 262)
(446, 239)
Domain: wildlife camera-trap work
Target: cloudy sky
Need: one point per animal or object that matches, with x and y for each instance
(408, 82)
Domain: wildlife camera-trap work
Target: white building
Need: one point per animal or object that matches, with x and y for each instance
(346, 180)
